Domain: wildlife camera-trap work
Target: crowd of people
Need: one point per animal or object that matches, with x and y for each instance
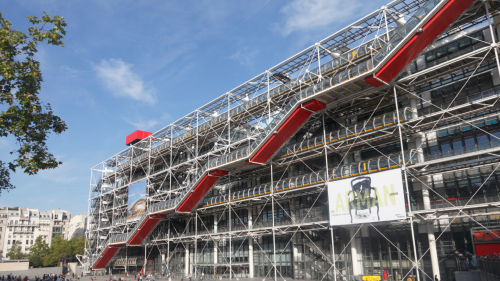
(45, 277)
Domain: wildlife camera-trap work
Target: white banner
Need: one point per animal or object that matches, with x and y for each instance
(367, 198)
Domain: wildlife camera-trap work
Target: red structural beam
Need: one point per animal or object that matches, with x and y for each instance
(296, 119)
(200, 190)
(107, 256)
(136, 136)
(487, 249)
(146, 227)
(435, 26)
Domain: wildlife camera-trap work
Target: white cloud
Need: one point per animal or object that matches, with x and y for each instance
(143, 124)
(245, 57)
(307, 15)
(65, 173)
(118, 77)
(70, 72)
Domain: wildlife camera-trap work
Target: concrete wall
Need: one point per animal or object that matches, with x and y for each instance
(75, 267)
(22, 265)
(32, 272)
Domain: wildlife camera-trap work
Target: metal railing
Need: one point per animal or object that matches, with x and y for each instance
(490, 266)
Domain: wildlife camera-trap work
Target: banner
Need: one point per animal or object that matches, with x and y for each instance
(136, 200)
(367, 198)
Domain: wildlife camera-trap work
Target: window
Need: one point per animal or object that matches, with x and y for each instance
(27, 242)
(457, 146)
(470, 144)
(31, 242)
(0, 228)
(495, 138)
(446, 148)
(8, 242)
(482, 141)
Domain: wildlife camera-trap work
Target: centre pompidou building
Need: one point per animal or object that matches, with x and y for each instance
(373, 152)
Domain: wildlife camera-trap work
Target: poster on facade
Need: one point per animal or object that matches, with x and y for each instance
(136, 200)
(367, 198)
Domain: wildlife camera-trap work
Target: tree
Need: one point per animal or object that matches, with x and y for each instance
(25, 117)
(59, 250)
(15, 252)
(38, 252)
(77, 246)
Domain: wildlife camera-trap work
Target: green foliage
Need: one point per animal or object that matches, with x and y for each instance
(77, 246)
(25, 117)
(58, 250)
(38, 252)
(62, 249)
(15, 252)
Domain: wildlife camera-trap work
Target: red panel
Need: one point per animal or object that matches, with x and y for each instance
(314, 105)
(293, 122)
(137, 136)
(219, 173)
(107, 256)
(372, 81)
(487, 249)
(493, 235)
(144, 229)
(435, 26)
(200, 190)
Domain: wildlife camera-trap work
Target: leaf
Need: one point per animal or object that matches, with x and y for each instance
(26, 118)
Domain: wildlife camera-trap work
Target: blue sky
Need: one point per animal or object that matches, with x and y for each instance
(131, 65)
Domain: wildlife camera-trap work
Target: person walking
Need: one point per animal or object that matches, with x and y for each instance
(436, 278)
(190, 276)
(461, 260)
(473, 261)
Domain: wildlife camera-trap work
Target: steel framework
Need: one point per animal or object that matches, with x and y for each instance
(237, 188)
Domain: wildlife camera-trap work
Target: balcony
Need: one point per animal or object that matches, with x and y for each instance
(23, 224)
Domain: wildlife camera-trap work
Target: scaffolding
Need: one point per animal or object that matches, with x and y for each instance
(238, 187)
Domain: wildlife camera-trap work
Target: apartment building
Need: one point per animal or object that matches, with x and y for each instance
(3, 226)
(26, 224)
(77, 226)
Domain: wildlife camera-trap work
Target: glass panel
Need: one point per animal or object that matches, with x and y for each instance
(446, 148)
(383, 163)
(457, 146)
(495, 138)
(470, 144)
(363, 167)
(345, 171)
(482, 141)
(344, 75)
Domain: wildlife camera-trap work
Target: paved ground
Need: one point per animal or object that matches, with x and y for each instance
(107, 277)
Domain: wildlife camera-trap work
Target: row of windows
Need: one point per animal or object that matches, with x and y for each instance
(463, 142)
(14, 241)
(454, 47)
(21, 236)
(463, 184)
